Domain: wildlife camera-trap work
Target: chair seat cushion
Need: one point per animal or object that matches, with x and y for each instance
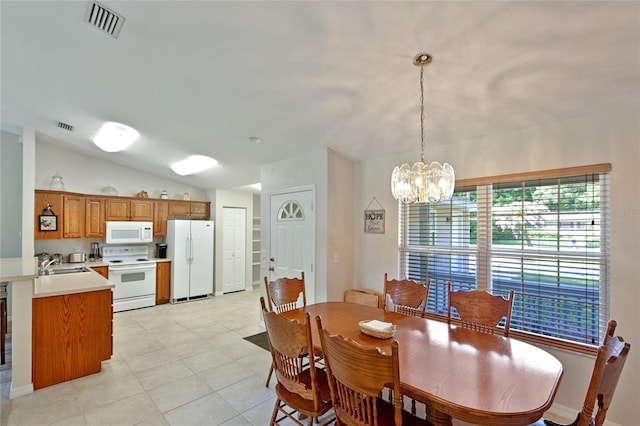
(306, 405)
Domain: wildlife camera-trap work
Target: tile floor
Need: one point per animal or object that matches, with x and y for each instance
(184, 364)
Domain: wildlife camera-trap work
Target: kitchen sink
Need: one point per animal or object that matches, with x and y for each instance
(73, 270)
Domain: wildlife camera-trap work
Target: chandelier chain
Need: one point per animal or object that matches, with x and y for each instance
(422, 113)
(423, 183)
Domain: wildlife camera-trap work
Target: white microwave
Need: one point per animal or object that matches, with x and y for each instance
(129, 232)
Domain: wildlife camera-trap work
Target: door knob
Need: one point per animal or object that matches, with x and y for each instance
(271, 268)
(272, 259)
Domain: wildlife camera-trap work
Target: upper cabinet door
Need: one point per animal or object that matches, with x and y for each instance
(74, 219)
(129, 209)
(141, 210)
(117, 209)
(94, 211)
(179, 209)
(160, 213)
(190, 209)
(42, 200)
(200, 209)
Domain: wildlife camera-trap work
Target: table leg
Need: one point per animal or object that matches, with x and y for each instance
(438, 418)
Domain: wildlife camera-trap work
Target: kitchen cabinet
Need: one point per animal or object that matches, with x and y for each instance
(42, 200)
(181, 209)
(102, 270)
(200, 209)
(72, 335)
(94, 217)
(84, 215)
(163, 282)
(189, 209)
(178, 210)
(73, 216)
(160, 213)
(129, 209)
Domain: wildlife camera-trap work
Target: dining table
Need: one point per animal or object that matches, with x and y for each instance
(458, 373)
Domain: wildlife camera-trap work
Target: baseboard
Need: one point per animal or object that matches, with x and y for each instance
(571, 413)
(20, 391)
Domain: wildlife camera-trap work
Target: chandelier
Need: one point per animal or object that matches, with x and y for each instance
(422, 183)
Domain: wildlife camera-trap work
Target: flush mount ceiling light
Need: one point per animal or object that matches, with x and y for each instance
(193, 164)
(114, 137)
(422, 183)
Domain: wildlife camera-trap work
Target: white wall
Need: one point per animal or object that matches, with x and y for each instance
(11, 199)
(331, 174)
(239, 199)
(340, 216)
(609, 137)
(309, 169)
(88, 175)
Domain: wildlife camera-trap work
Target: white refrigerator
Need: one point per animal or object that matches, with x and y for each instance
(190, 248)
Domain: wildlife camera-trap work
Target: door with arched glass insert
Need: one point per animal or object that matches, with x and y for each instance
(292, 237)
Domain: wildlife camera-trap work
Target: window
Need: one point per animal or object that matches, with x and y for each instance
(544, 235)
(290, 210)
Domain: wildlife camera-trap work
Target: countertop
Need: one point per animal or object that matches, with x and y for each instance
(56, 285)
(18, 268)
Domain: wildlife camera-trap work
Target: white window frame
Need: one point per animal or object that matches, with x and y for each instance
(482, 252)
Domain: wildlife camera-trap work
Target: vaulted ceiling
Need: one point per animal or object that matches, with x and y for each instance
(203, 77)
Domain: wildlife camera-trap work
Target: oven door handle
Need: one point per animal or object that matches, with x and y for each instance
(130, 268)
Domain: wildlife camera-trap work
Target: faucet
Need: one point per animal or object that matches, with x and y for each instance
(45, 264)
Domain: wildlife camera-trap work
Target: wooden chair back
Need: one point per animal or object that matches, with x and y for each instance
(480, 310)
(357, 377)
(612, 355)
(288, 341)
(408, 296)
(283, 293)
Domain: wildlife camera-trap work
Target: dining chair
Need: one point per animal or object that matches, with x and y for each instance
(480, 310)
(305, 390)
(283, 294)
(408, 296)
(607, 370)
(357, 377)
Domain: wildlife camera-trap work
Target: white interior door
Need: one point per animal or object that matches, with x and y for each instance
(234, 236)
(293, 238)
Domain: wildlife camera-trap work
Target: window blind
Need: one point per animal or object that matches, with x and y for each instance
(546, 238)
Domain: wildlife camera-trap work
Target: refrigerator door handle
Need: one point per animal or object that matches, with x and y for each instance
(187, 248)
(191, 248)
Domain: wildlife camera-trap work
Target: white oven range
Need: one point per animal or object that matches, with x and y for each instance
(133, 274)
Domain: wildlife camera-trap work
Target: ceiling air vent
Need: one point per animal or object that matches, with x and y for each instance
(65, 126)
(104, 19)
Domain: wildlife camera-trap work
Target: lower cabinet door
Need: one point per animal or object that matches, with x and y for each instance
(72, 335)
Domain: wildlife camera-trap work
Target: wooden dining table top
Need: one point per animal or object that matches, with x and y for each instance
(468, 375)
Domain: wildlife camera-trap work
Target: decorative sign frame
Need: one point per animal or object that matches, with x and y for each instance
(374, 219)
(48, 222)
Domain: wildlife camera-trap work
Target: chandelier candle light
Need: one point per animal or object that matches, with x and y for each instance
(422, 183)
